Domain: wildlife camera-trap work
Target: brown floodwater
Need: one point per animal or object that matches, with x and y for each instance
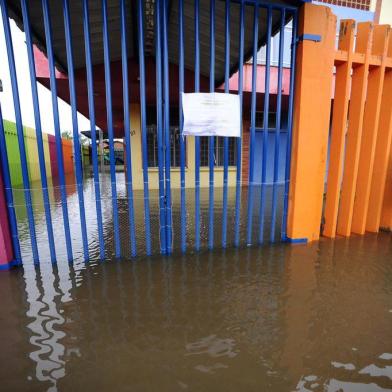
(277, 318)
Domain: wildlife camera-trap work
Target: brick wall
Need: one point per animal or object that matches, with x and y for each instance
(245, 152)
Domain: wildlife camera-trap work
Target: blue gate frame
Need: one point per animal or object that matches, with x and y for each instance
(163, 127)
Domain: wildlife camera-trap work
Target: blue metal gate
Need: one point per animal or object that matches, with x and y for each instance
(195, 45)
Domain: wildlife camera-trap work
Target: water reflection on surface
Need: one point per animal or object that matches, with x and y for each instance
(279, 318)
(122, 200)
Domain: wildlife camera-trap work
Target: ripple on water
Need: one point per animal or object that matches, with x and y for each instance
(281, 318)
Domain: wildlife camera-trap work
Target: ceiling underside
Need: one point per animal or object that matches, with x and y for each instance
(76, 13)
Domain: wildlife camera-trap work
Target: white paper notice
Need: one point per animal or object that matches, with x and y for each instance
(211, 114)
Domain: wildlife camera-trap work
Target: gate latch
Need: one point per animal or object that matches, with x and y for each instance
(309, 37)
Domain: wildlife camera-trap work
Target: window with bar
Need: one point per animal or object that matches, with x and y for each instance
(271, 120)
(152, 140)
(218, 151)
(152, 146)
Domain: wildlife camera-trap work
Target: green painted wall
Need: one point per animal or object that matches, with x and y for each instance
(33, 167)
(13, 153)
(85, 156)
(31, 152)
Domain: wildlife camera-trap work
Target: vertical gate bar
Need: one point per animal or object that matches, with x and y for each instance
(75, 128)
(197, 138)
(252, 126)
(161, 159)
(94, 153)
(19, 127)
(38, 129)
(289, 128)
(182, 137)
(109, 114)
(168, 198)
(140, 23)
(278, 125)
(8, 192)
(239, 140)
(56, 121)
(265, 126)
(211, 139)
(127, 128)
(226, 139)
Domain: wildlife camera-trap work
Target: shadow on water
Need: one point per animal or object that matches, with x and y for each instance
(280, 318)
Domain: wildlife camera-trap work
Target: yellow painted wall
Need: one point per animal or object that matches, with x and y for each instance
(153, 178)
(32, 154)
(47, 155)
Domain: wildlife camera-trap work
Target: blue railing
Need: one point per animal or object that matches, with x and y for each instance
(233, 222)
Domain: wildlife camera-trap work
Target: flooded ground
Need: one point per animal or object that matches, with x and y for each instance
(278, 318)
(122, 200)
(275, 318)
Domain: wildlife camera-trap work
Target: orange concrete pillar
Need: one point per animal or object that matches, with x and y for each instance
(383, 149)
(386, 213)
(354, 132)
(339, 127)
(312, 107)
(370, 130)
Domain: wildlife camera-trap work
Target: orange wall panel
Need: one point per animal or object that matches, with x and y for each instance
(339, 125)
(370, 129)
(386, 213)
(68, 156)
(354, 132)
(383, 150)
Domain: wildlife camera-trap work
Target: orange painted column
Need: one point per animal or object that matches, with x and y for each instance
(312, 107)
(370, 129)
(383, 150)
(354, 132)
(386, 214)
(339, 127)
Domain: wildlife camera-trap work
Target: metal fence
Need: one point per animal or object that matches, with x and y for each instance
(168, 220)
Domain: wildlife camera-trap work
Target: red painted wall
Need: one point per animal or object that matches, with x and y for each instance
(6, 252)
(53, 156)
(260, 82)
(134, 84)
